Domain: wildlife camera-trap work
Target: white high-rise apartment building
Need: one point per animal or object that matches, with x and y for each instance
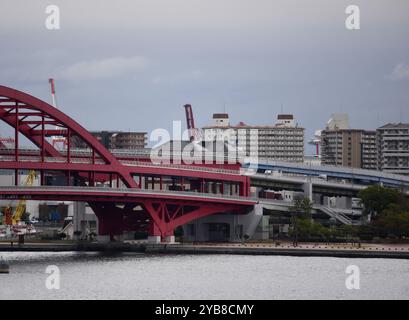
(283, 141)
(393, 148)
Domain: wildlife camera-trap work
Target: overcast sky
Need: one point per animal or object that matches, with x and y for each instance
(133, 64)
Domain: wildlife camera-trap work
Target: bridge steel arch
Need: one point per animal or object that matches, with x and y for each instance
(32, 117)
(37, 121)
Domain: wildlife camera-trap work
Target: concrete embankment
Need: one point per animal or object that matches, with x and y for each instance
(279, 251)
(62, 247)
(239, 249)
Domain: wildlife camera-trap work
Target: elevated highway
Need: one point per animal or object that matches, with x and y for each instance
(349, 175)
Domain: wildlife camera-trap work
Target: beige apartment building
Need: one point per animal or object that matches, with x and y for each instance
(349, 147)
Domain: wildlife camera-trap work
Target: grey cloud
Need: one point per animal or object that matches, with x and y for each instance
(103, 68)
(178, 77)
(249, 56)
(400, 72)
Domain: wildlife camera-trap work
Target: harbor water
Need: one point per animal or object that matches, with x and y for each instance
(144, 276)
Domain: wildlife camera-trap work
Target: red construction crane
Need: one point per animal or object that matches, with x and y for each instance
(194, 134)
(56, 140)
(51, 81)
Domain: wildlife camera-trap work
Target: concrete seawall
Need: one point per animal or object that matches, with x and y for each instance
(393, 253)
(63, 247)
(310, 252)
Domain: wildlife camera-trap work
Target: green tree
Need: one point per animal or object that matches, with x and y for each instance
(392, 222)
(309, 229)
(301, 210)
(391, 210)
(303, 207)
(348, 231)
(377, 198)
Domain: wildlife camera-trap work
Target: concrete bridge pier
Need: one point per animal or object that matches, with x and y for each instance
(158, 239)
(154, 239)
(110, 222)
(251, 220)
(307, 188)
(170, 239)
(158, 235)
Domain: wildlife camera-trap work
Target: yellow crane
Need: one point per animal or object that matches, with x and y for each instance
(21, 206)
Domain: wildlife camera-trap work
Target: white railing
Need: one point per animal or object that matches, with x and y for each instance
(179, 166)
(125, 162)
(351, 171)
(341, 217)
(220, 156)
(334, 214)
(128, 191)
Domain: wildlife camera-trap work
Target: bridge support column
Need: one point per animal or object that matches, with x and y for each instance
(307, 187)
(167, 215)
(170, 239)
(154, 239)
(103, 238)
(161, 228)
(155, 234)
(251, 220)
(110, 222)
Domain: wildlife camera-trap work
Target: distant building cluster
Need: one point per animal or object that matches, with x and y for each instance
(117, 140)
(385, 149)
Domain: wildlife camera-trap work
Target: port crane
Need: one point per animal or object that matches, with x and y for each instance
(56, 140)
(11, 218)
(194, 133)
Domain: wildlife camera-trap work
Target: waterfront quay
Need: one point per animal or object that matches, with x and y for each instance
(363, 250)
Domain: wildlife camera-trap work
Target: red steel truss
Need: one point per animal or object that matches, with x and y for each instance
(38, 121)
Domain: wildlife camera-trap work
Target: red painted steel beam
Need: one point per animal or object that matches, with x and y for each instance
(203, 211)
(57, 166)
(25, 130)
(49, 132)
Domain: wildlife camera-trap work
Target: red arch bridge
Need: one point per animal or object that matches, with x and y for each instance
(125, 194)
